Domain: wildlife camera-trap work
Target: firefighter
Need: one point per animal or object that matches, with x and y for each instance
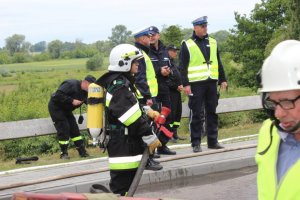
(70, 95)
(175, 84)
(278, 149)
(127, 126)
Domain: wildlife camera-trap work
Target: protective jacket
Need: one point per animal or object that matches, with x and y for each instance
(174, 79)
(266, 159)
(160, 58)
(67, 91)
(126, 123)
(145, 79)
(200, 61)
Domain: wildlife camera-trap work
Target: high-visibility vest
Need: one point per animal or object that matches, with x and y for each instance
(268, 188)
(198, 69)
(150, 76)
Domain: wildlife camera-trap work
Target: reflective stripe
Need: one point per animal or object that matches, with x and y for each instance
(198, 69)
(150, 77)
(195, 68)
(76, 138)
(126, 162)
(131, 115)
(176, 123)
(64, 142)
(108, 99)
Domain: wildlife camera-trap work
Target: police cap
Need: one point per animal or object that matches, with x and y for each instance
(142, 31)
(200, 21)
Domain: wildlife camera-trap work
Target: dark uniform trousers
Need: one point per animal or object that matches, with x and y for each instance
(176, 106)
(121, 145)
(64, 122)
(203, 92)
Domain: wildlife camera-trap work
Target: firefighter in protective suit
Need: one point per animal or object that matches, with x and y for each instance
(70, 95)
(126, 124)
(278, 149)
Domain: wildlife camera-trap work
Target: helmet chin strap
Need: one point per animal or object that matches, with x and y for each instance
(296, 127)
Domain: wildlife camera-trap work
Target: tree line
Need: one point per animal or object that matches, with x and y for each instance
(243, 48)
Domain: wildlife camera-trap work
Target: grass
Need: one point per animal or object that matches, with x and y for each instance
(70, 64)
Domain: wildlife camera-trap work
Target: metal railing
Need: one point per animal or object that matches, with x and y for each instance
(44, 126)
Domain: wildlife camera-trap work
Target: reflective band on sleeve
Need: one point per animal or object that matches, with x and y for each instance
(131, 115)
(107, 99)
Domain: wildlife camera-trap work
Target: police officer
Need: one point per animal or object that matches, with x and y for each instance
(161, 62)
(175, 85)
(202, 70)
(70, 95)
(145, 79)
(278, 149)
(127, 126)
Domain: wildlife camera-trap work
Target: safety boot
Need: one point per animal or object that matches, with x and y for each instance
(151, 165)
(165, 150)
(64, 156)
(64, 152)
(81, 149)
(82, 152)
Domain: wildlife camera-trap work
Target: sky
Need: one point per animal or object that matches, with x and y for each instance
(93, 20)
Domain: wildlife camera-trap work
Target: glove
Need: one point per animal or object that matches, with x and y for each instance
(152, 142)
(152, 114)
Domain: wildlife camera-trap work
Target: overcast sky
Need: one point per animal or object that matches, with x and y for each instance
(92, 20)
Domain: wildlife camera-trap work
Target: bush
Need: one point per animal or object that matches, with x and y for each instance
(4, 58)
(20, 57)
(41, 57)
(4, 72)
(95, 62)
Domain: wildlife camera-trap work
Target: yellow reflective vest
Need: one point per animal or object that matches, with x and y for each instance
(151, 78)
(198, 69)
(268, 189)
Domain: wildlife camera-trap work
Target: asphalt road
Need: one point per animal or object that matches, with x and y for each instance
(228, 185)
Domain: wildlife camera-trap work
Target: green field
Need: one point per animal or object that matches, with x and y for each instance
(25, 91)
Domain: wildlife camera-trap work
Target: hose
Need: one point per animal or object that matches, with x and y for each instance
(104, 169)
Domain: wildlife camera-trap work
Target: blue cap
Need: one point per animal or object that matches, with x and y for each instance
(141, 32)
(90, 78)
(200, 21)
(154, 30)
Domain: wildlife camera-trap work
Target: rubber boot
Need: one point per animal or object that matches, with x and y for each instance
(81, 149)
(64, 152)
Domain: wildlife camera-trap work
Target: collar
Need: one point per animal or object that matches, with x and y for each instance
(283, 135)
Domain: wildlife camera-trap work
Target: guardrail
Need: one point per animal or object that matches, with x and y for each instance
(44, 126)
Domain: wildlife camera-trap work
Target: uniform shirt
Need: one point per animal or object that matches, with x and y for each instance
(184, 58)
(289, 154)
(160, 58)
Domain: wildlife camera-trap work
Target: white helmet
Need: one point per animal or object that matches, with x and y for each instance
(281, 70)
(121, 57)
